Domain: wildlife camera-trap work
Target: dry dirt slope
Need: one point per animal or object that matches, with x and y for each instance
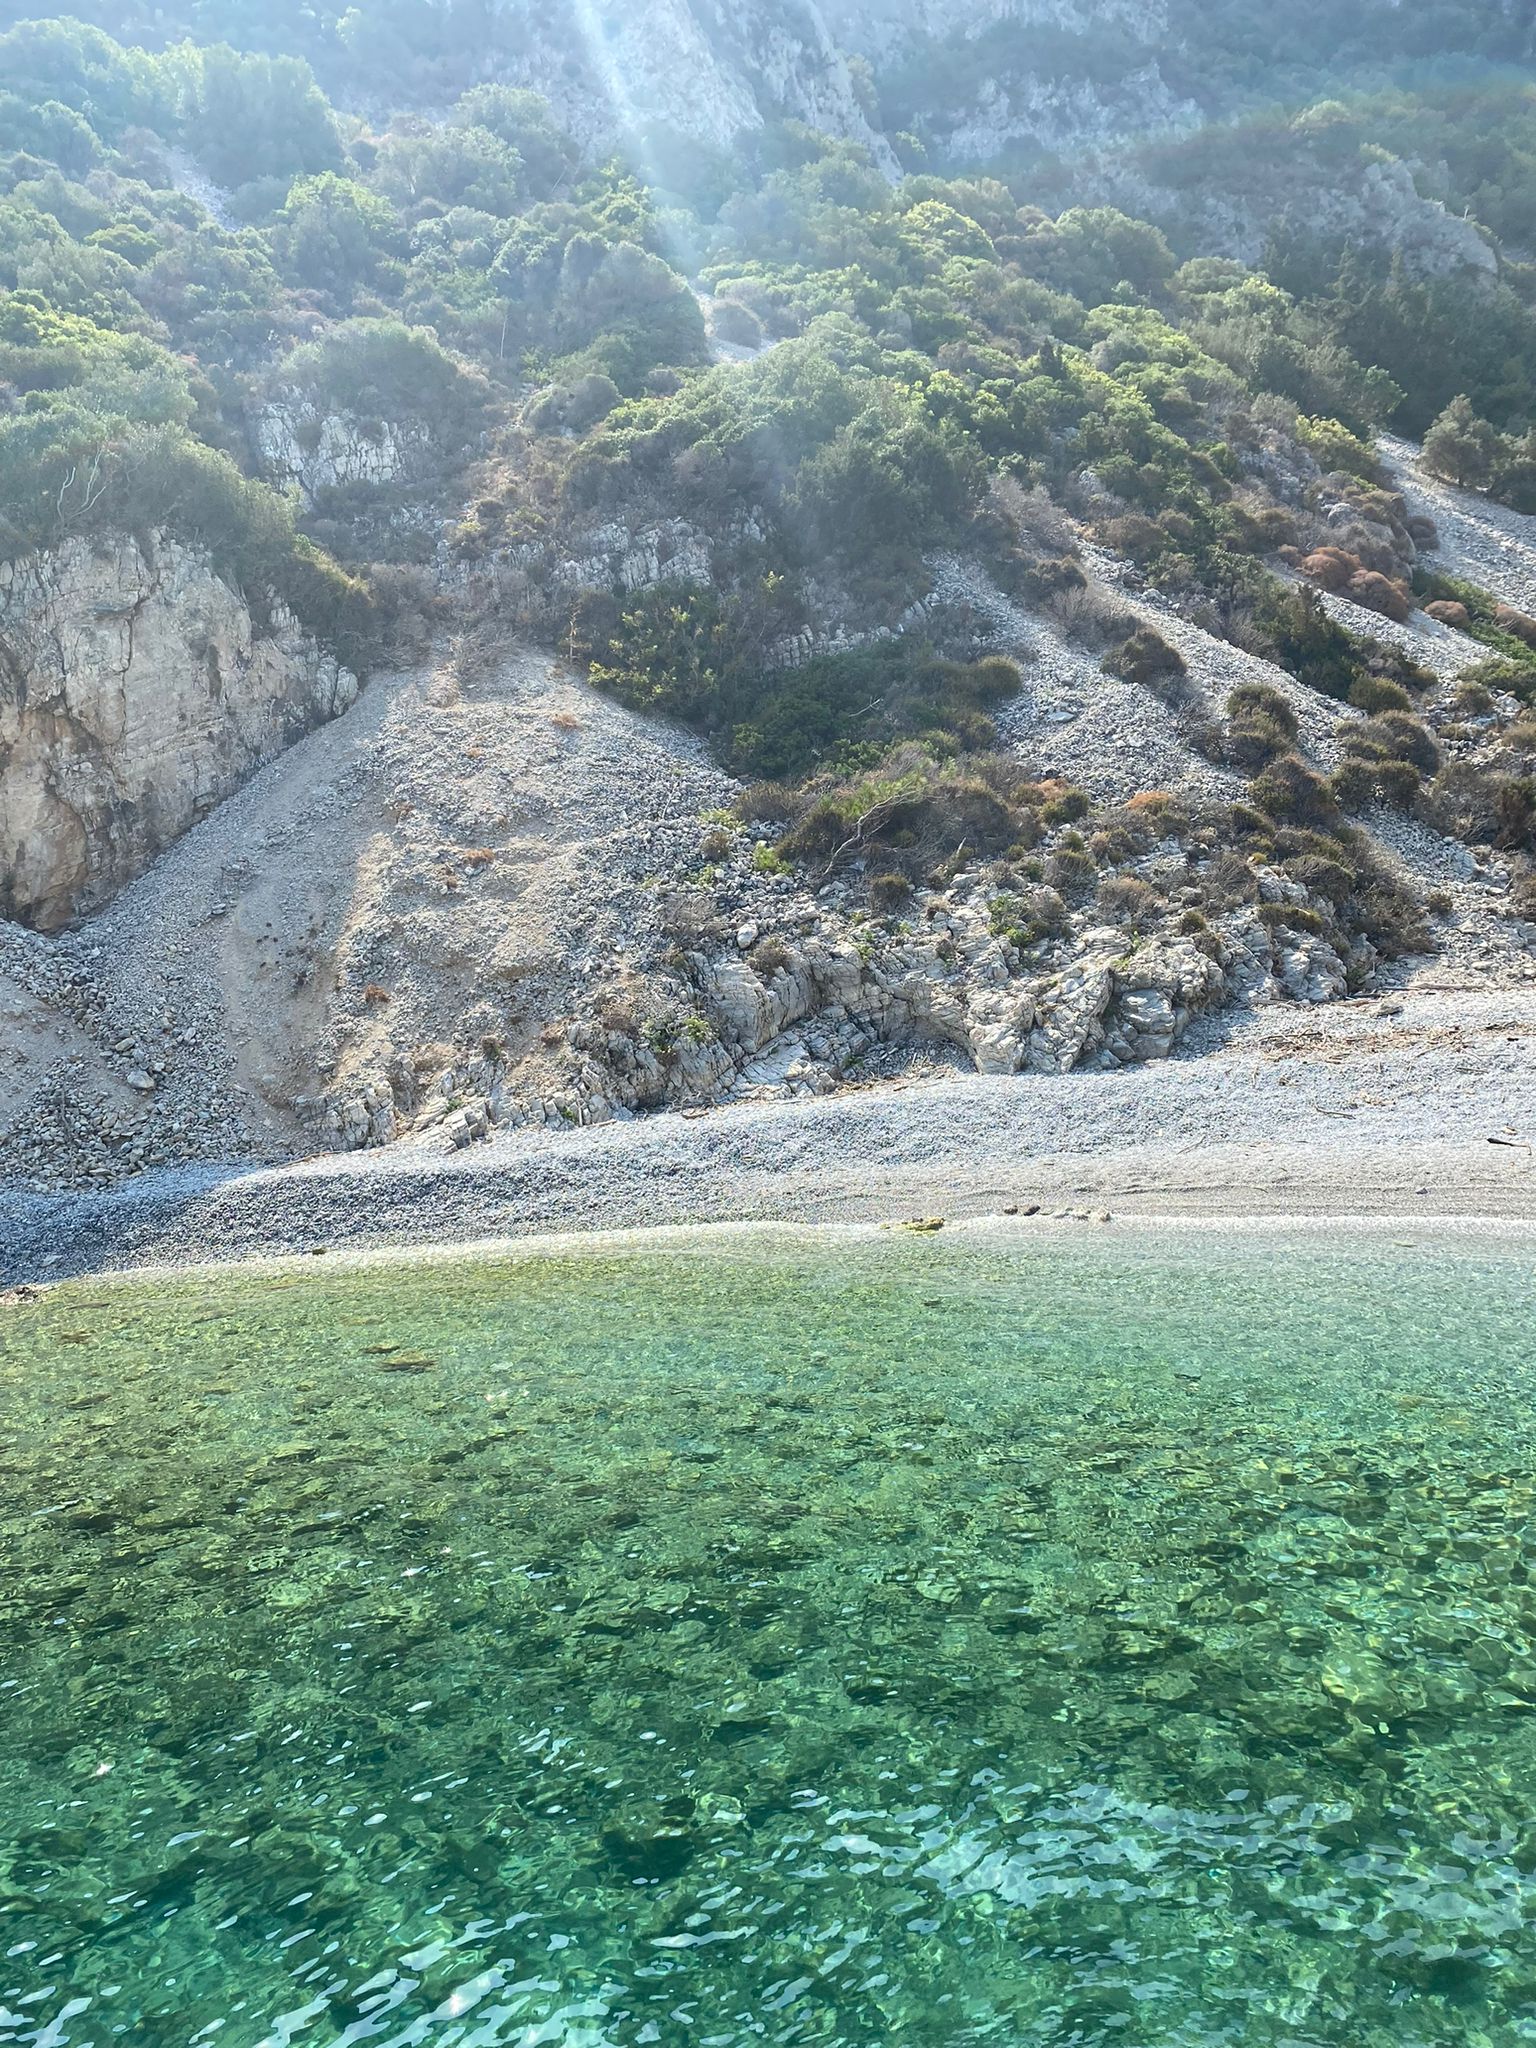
(437, 868)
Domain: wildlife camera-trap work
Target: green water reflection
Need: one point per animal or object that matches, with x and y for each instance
(1090, 1639)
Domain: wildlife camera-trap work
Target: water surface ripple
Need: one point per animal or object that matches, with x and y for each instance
(1111, 1639)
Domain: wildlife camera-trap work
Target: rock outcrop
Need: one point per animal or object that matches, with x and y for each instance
(296, 443)
(706, 69)
(806, 1015)
(895, 26)
(136, 691)
(1373, 205)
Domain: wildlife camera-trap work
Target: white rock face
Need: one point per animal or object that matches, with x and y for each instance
(136, 691)
(1062, 114)
(881, 28)
(1375, 205)
(296, 444)
(708, 69)
(713, 69)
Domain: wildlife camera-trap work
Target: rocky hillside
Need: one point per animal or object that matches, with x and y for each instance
(698, 67)
(879, 619)
(488, 896)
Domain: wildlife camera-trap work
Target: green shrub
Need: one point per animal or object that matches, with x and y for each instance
(1362, 779)
(1298, 635)
(1261, 727)
(1474, 700)
(689, 654)
(1461, 447)
(889, 891)
(1290, 792)
(1488, 621)
(1072, 873)
(847, 464)
(1517, 678)
(246, 116)
(1334, 447)
(382, 370)
(1392, 736)
(1375, 693)
(1294, 917)
(1149, 660)
(1516, 809)
(1038, 582)
(1323, 874)
(1026, 918)
(1064, 805)
(910, 803)
(333, 235)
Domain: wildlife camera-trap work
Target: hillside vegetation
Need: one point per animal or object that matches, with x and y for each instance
(766, 439)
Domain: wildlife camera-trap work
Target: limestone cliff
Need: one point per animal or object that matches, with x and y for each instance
(706, 69)
(881, 28)
(979, 80)
(295, 442)
(712, 69)
(136, 691)
(1368, 204)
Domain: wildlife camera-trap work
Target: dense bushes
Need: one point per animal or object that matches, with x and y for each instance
(1471, 452)
(335, 236)
(382, 371)
(101, 441)
(686, 653)
(1510, 634)
(1385, 759)
(1338, 570)
(908, 806)
(1261, 727)
(846, 462)
(1150, 660)
(246, 117)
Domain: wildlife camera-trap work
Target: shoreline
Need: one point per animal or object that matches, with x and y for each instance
(1422, 1110)
(1513, 1233)
(669, 1175)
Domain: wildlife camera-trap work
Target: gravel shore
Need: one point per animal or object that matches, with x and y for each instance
(1355, 1109)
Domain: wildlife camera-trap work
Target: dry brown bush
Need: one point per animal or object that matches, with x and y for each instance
(1385, 594)
(1126, 899)
(1331, 567)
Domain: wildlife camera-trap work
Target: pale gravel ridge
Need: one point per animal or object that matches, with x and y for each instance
(471, 838)
(1359, 1108)
(1481, 541)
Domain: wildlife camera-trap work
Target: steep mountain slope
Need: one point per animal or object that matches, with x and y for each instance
(489, 895)
(1044, 634)
(440, 866)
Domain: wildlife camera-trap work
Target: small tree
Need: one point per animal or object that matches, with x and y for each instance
(1461, 447)
(333, 234)
(1515, 481)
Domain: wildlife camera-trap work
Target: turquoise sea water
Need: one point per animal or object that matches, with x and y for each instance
(1094, 1638)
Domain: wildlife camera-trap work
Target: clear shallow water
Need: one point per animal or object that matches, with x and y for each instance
(1093, 1640)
